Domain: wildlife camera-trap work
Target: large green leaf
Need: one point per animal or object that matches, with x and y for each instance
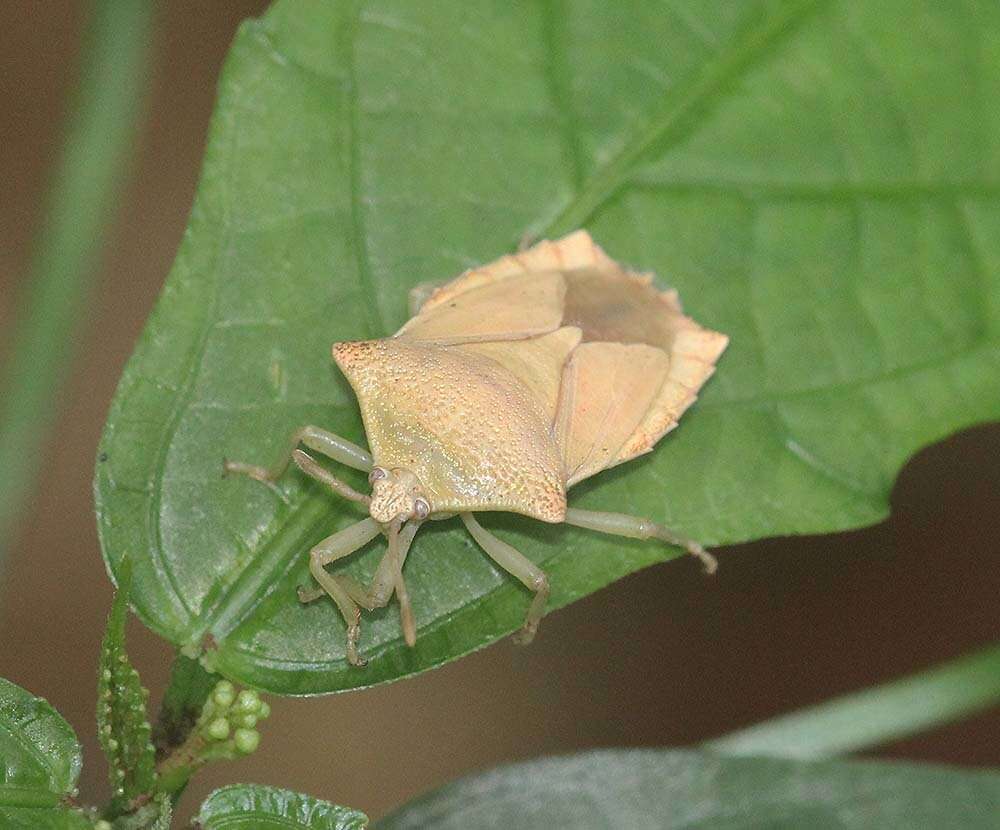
(819, 179)
(39, 764)
(269, 808)
(660, 789)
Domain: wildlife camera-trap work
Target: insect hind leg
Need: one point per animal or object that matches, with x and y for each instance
(621, 524)
(518, 565)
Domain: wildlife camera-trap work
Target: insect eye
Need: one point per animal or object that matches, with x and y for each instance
(421, 508)
(377, 474)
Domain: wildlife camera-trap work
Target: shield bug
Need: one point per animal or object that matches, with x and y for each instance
(507, 386)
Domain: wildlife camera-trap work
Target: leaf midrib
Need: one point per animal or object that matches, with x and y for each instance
(243, 594)
(983, 342)
(678, 104)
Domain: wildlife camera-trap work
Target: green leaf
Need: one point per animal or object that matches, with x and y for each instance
(642, 789)
(263, 808)
(39, 763)
(886, 712)
(122, 725)
(803, 172)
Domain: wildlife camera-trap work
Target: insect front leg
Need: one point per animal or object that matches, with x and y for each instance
(311, 468)
(621, 524)
(378, 594)
(320, 440)
(384, 581)
(335, 547)
(518, 565)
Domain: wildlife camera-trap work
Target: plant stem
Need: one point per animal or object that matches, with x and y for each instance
(187, 690)
(865, 719)
(99, 133)
(176, 770)
(177, 746)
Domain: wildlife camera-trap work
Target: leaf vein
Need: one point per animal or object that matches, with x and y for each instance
(560, 88)
(359, 243)
(681, 110)
(984, 343)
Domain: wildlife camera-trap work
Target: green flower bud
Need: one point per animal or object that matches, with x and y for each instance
(249, 721)
(247, 701)
(217, 730)
(224, 693)
(246, 740)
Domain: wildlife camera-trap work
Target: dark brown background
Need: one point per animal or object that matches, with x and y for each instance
(786, 622)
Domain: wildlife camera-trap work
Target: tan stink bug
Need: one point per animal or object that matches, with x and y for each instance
(507, 386)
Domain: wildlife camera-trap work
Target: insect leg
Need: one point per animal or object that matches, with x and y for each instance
(335, 547)
(384, 581)
(351, 587)
(311, 468)
(378, 594)
(517, 564)
(620, 524)
(337, 448)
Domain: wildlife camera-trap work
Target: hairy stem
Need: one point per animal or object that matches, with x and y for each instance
(178, 743)
(224, 727)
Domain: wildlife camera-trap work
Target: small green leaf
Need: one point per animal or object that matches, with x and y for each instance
(39, 764)
(268, 808)
(654, 789)
(803, 172)
(122, 725)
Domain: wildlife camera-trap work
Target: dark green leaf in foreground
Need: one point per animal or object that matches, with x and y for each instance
(39, 764)
(267, 808)
(122, 725)
(805, 173)
(657, 789)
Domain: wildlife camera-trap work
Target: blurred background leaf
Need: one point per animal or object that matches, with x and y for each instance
(98, 138)
(874, 716)
(802, 172)
(643, 790)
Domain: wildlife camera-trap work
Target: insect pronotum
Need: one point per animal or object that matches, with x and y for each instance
(507, 386)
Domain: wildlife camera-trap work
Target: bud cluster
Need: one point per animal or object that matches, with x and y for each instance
(228, 721)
